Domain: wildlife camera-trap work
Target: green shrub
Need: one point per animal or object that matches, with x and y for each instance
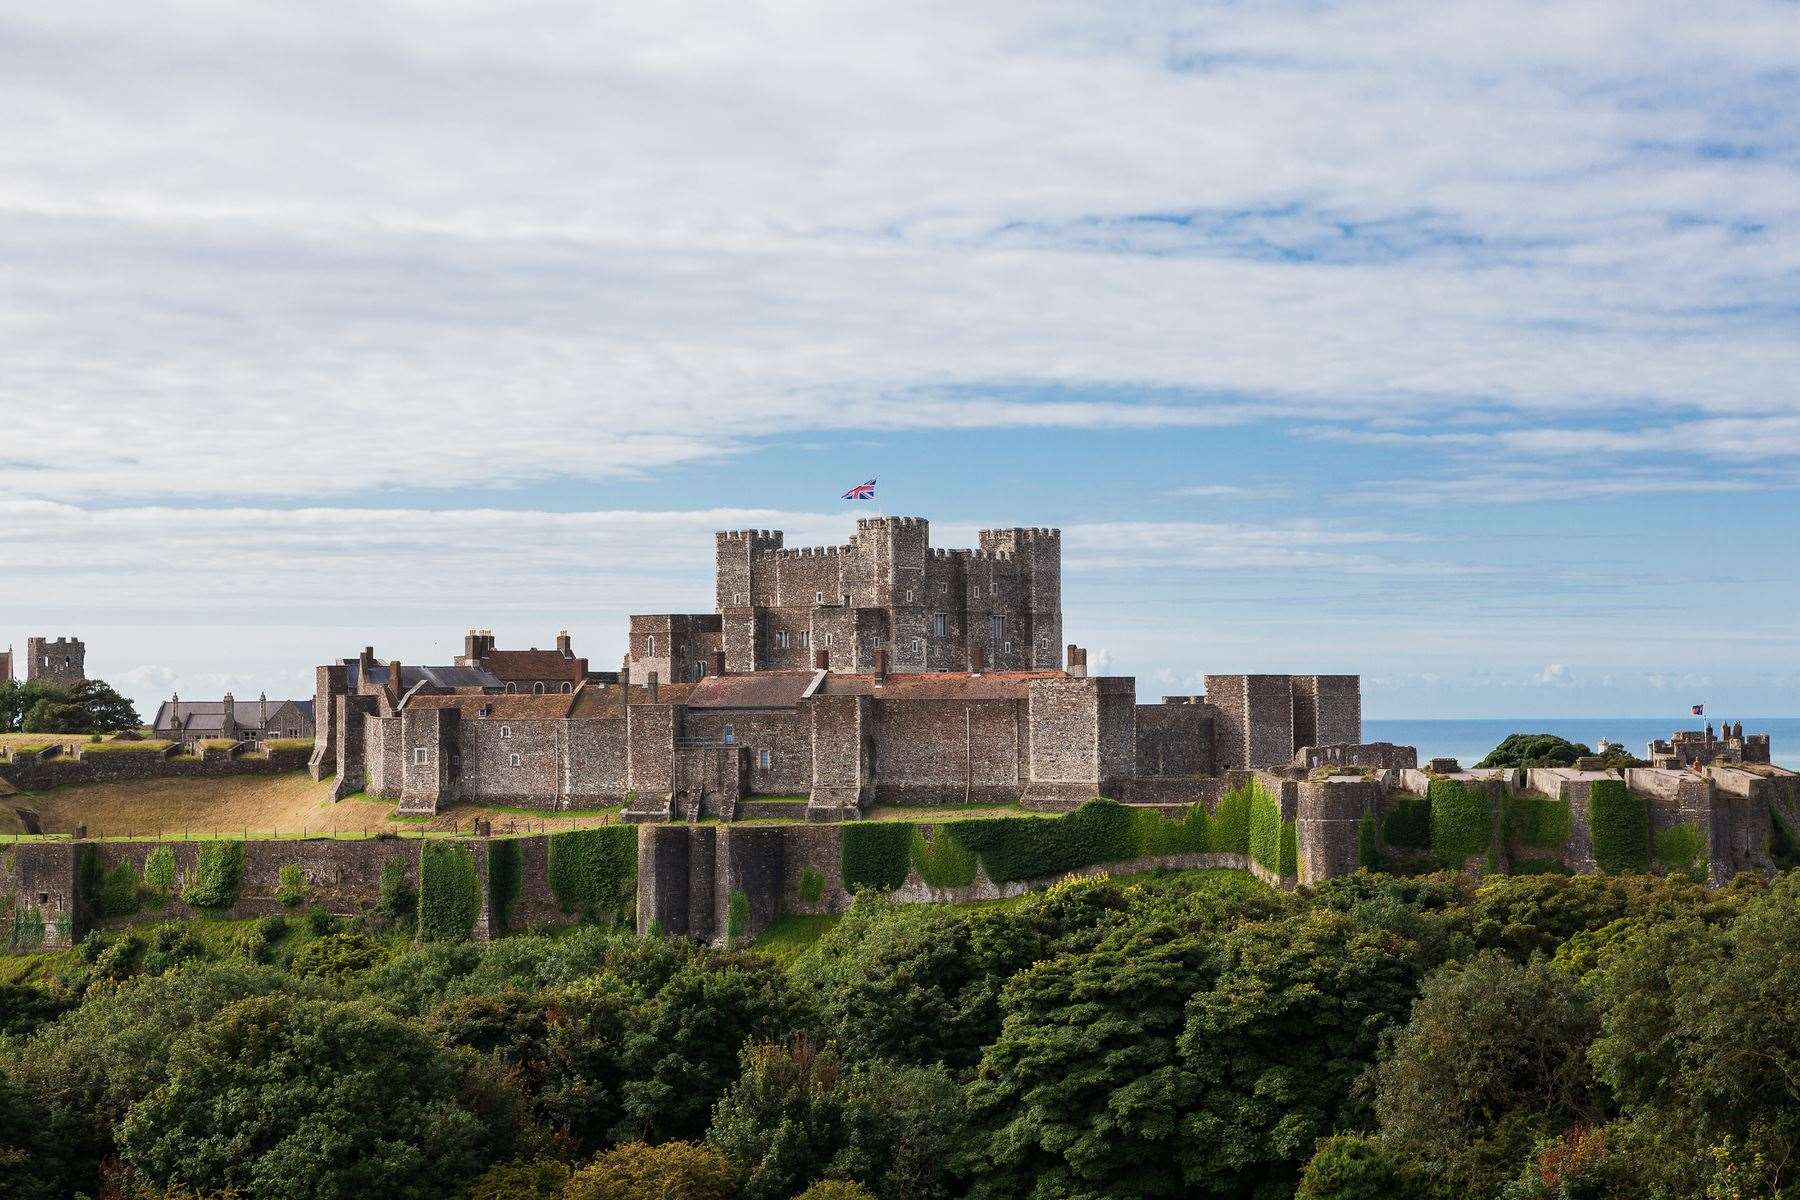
(290, 886)
(1535, 750)
(449, 899)
(159, 874)
(1681, 850)
(398, 901)
(1620, 825)
(836, 1189)
(1462, 821)
(506, 870)
(876, 854)
(812, 886)
(594, 872)
(322, 923)
(217, 876)
(1539, 821)
(115, 892)
(338, 957)
(669, 1171)
(539, 1179)
(942, 861)
(1368, 846)
(1408, 823)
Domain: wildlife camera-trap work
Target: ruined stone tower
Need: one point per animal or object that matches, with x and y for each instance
(62, 662)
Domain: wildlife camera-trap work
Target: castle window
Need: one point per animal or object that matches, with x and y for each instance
(513, 761)
(1007, 647)
(909, 595)
(993, 588)
(506, 731)
(781, 639)
(652, 653)
(762, 760)
(827, 642)
(940, 625)
(996, 628)
(806, 639)
(818, 597)
(699, 668)
(537, 689)
(919, 647)
(730, 735)
(511, 688)
(568, 688)
(421, 756)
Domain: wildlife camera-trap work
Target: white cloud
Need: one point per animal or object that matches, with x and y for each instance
(469, 247)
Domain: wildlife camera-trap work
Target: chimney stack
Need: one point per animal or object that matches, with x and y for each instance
(364, 662)
(881, 661)
(1077, 661)
(717, 666)
(562, 644)
(262, 712)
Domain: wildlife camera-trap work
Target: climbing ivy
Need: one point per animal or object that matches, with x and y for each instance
(506, 869)
(1620, 825)
(875, 854)
(27, 927)
(1543, 822)
(1273, 841)
(1462, 820)
(111, 893)
(1408, 823)
(594, 872)
(217, 876)
(1228, 829)
(1681, 850)
(1368, 847)
(737, 918)
(398, 901)
(812, 886)
(449, 897)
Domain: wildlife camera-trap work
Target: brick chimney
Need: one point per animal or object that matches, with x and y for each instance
(228, 719)
(262, 712)
(364, 662)
(881, 661)
(395, 691)
(563, 645)
(1077, 662)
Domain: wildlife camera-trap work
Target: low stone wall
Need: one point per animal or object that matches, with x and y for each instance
(34, 774)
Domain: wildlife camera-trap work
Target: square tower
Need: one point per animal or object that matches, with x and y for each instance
(62, 663)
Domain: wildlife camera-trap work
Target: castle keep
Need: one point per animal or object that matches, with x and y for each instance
(880, 671)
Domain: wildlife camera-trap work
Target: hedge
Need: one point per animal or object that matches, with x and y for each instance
(594, 871)
(1620, 825)
(1273, 842)
(506, 871)
(449, 897)
(1010, 849)
(875, 855)
(1539, 821)
(217, 877)
(1681, 849)
(1462, 820)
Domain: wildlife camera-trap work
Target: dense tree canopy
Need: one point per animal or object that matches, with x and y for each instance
(1192, 1035)
(90, 706)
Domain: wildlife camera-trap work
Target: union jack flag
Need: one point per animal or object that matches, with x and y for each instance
(862, 491)
(1699, 710)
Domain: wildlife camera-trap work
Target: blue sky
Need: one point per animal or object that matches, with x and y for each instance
(1454, 344)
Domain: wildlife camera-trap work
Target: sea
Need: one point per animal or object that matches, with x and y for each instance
(1469, 741)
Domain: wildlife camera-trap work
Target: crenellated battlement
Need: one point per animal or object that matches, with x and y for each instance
(889, 522)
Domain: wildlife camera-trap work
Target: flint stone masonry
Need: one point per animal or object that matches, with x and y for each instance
(29, 773)
(62, 662)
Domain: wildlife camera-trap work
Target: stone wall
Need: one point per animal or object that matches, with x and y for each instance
(785, 733)
(29, 773)
(934, 752)
(1174, 739)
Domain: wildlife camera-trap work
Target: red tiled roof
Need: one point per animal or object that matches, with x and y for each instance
(516, 665)
(598, 701)
(515, 707)
(763, 689)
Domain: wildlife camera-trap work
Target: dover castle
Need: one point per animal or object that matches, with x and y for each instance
(884, 670)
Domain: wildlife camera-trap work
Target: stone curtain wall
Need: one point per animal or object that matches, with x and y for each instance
(30, 773)
(930, 752)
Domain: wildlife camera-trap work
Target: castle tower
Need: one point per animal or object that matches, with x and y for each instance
(6, 667)
(1037, 554)
(62, 663)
